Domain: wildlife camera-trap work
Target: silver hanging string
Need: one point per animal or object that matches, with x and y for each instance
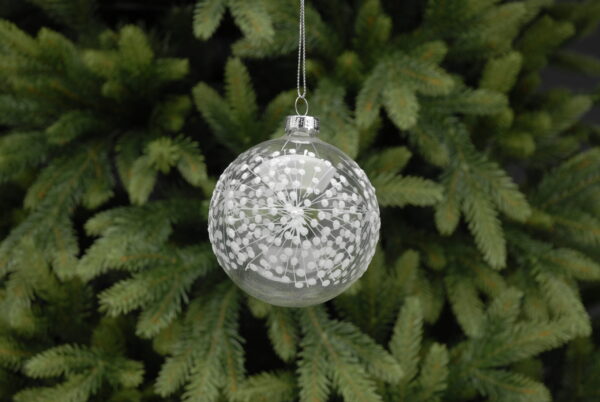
(301, 63)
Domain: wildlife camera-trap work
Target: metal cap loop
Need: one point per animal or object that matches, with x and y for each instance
(305, 103)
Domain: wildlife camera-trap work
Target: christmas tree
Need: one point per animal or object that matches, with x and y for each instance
(117, 117)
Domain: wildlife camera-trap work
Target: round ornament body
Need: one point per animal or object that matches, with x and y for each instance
(294, 221)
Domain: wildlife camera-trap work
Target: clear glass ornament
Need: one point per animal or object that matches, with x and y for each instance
(294, 221)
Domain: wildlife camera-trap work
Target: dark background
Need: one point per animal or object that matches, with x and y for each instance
(554, 76)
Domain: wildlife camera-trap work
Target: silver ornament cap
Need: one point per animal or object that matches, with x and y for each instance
(308, 125)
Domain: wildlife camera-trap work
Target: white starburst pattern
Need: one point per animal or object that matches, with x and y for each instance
(300, 214)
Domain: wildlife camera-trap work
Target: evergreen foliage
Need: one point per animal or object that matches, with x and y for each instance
(112, 135)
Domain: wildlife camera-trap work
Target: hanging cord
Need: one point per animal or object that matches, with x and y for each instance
(301, 62)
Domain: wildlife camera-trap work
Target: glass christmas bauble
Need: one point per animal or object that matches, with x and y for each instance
(294, 221)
